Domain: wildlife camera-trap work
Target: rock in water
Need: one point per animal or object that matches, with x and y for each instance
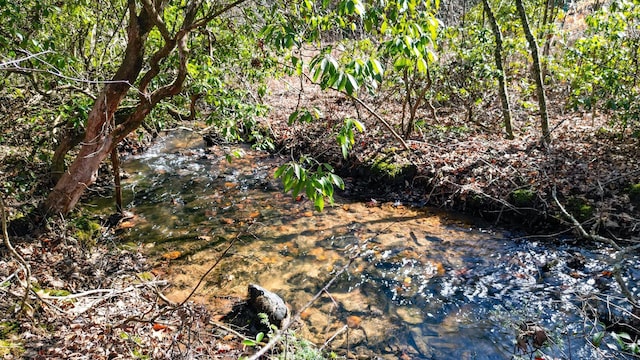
(264, 301)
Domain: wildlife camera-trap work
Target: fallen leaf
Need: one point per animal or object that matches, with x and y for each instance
(353, 321)
(159, 327)
(171, 255)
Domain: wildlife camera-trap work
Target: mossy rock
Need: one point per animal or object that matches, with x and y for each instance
(522, 197)
(392, 171)
(87, 231)
(580, 208)
(634, 193)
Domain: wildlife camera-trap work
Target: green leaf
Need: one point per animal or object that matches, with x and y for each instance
(597, 338)
(351, 85)
(376, 66)
(293, 117)
(249, 342)
(337, 180)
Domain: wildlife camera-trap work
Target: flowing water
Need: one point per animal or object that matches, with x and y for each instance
(422, 283)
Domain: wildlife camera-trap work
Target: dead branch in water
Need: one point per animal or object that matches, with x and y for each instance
(617, 257)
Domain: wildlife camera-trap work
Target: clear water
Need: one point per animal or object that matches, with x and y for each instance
(423, 284)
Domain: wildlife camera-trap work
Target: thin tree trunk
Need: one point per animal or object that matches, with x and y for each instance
(536, 73)
(115, 163)
(502, 83)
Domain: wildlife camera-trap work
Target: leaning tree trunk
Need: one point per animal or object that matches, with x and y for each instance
(537, 74)
(99, 137)
(102, 134)
(504, 96)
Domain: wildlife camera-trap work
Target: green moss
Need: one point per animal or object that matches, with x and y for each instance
(522, 197)
(389, 169)
(6, 328)
(580, 209)
(86, 230)
(634, 193)
(11, 348)
(386, 166)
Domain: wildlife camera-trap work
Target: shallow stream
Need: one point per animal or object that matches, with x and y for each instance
(424, 284)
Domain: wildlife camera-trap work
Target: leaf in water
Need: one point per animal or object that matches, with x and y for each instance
(227, 221)
(171, 255)
(254, 214)
(354, 321)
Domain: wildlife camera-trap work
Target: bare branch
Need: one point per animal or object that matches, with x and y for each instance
(157, 19)
(14, 63)
(15, 254)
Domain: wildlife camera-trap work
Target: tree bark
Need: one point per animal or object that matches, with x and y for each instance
(502, 83)
(102, 135)
(99, 139)
(536, 73)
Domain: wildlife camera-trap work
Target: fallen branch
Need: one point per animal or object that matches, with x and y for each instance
(193, 291)
(617, 257)
(17, 256)
(109, 292)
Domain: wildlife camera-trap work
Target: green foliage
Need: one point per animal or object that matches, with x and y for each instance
(307, 176)
(346, 136)
(603, 66)
(300, 349)
(624, 343)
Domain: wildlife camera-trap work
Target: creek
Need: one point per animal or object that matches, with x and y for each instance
(424, 284)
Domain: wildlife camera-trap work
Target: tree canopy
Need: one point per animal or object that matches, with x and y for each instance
(93, 72)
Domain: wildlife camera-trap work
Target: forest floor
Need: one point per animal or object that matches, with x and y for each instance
(469, 166)
(103, 301)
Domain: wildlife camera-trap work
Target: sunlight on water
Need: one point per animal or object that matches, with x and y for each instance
(424, 283)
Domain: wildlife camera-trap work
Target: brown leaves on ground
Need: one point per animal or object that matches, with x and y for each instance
(100, 303)
(470, 166)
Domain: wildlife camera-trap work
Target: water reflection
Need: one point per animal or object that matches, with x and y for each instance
(425, 284)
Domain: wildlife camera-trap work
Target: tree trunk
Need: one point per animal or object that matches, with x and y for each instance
(102, 135)
(536, 73)
(67, 140)
(502, 83)
(99, 139)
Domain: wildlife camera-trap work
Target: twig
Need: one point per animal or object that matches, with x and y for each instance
(210, 270)
(110, 292)
(340, 331)
(12, 250)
